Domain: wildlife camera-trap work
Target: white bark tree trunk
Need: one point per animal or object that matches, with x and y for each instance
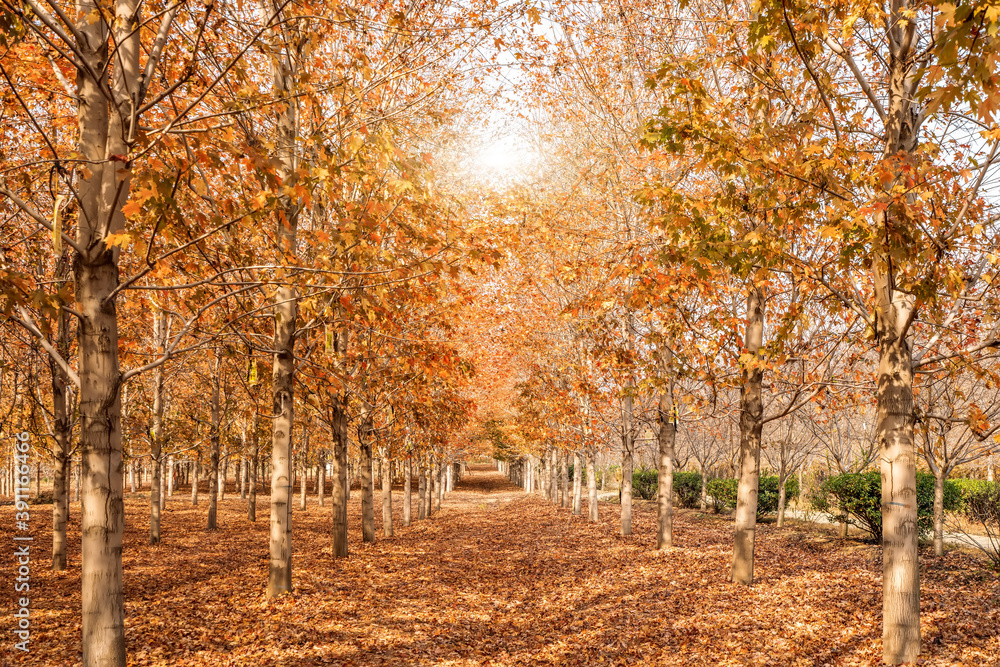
(593, 512)
(430, 486)
(751, 414)
(321, 481)
(407, 495)
(156, 427)
(195, 481)
(421, 491)
(62, 430)
(939, 480)
(367, 482)
(215, 438)
(105, 130)
(387, 501)
(170, 476)
(703, 500)
(339, 476)
(577, 483)
(665, 467)
(286, 44)
(564, 478)
(439, 486)
(252, 466)
(782, 478)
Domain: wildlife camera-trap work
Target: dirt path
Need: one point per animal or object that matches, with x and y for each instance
(499, 578)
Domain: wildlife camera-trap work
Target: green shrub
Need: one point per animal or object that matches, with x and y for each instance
(982, 506)
(687, 487)
(724, 493)
(583, 476)
(969, 487)
(857, 499)
(644, 483)
(767, 493)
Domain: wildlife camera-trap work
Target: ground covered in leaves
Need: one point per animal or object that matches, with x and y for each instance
(497, 578)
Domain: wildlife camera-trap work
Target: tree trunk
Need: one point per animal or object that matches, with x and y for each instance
(102, 515)
(900, 565)
(215, 438)
(60, 495)
(421, 491)
(170, 476)
(339, 473)
(252, 468)
(102, 190)
(406, 490)
(703, 504)
(156, 427)
(367, 483)
(628, 439)
(439, 487)
(554, 475)
(939, 480)
(564, 479)
(286, 47)
(665, 468)
(893, 316)
(321, 481)
(305, 469)
(430, 486)
(387, 500)
(163, 483)
(223, 474)
(546, 475)
(782, 478)
(62, 430)
(577, 483)
(594, 515)
(781, 502)
(625, 488)
(751, 415)
(195, 481)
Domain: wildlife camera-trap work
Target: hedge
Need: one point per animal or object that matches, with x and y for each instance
(857, 499)
(969, 487)
(723, 493)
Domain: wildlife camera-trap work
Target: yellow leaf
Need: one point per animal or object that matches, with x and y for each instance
(120, 240)
(131, 208)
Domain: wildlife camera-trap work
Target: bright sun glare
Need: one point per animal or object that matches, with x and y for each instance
(506, 158)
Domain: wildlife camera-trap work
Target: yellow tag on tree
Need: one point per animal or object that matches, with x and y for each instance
(253, 372)
(57, 225)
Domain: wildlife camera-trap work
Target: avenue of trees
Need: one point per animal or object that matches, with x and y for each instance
(261, 242)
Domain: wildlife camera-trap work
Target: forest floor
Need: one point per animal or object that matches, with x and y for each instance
(496, 578)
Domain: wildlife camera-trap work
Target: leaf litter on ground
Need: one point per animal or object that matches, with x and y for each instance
(498, 578)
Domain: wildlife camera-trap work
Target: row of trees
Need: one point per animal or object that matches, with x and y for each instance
(774, 225)
(737, 219)
(195, 192)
